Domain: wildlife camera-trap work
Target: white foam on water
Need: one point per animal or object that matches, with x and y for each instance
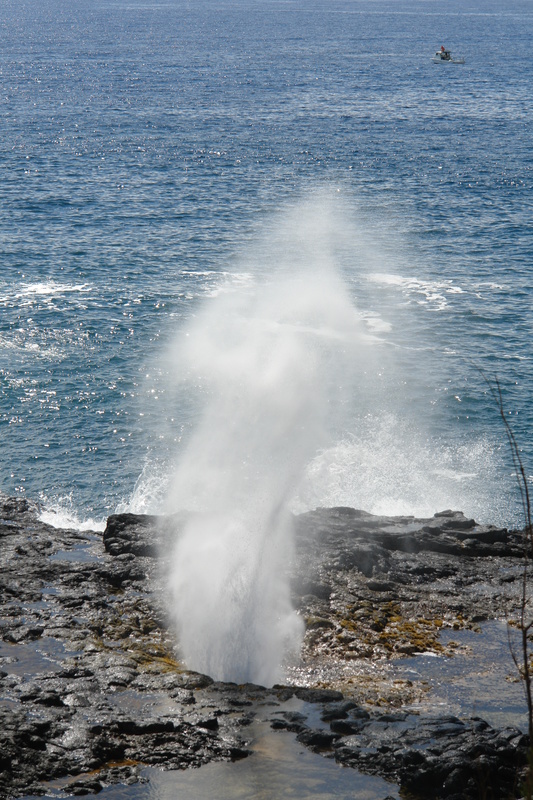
(27, 294)
(49, 288)
(61, 513)
(386, 465)
(430, 293)
(149, 492)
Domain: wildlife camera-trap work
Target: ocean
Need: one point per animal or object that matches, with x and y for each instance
(166, 165)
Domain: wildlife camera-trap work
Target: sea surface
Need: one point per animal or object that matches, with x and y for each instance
(155, 156)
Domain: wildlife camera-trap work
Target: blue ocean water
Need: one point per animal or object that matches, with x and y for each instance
(151, 152)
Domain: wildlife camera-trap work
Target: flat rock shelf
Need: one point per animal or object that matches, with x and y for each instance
(93, 690)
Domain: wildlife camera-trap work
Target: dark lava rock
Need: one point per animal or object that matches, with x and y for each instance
(87, 662)
(437, 758)
(390, 584)
(318, 695)
(131, 533)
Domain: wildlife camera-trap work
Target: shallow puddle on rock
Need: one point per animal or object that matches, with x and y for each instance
(279, 767)
(32, 657)
(480, 680)
(82, 553)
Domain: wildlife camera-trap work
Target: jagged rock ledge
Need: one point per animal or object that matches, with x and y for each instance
(86, 661)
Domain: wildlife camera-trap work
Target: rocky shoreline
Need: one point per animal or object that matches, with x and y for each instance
(92, 689)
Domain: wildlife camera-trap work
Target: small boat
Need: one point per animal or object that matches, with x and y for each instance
(443, 56)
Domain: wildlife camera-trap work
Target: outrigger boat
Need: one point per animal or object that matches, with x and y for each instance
(443, 56)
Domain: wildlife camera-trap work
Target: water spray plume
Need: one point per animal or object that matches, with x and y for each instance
(270, 361)
(302, 405)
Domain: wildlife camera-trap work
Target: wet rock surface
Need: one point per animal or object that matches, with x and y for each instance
(374, 586)
(92, 689)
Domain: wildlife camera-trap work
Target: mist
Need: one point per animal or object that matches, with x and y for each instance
(269, 360)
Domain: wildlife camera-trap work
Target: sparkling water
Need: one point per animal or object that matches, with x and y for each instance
(156, 155)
